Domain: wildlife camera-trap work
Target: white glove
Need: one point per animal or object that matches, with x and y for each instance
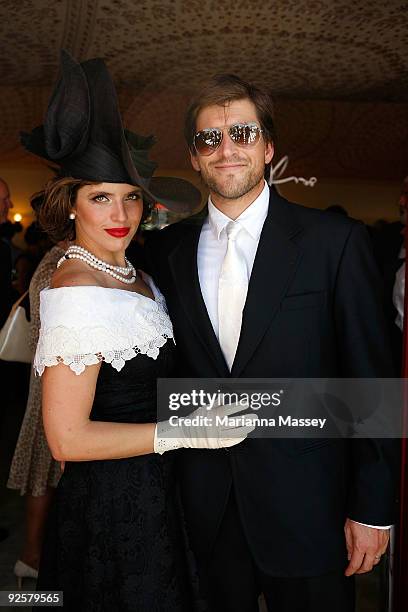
(207, 434)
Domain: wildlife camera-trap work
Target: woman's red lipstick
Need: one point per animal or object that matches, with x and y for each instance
(118, 232)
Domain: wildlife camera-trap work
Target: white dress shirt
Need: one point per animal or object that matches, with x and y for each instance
(212, 247)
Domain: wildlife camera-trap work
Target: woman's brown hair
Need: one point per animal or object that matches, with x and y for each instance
(54, 205)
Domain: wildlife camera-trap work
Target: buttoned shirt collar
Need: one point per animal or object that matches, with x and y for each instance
(252, 219)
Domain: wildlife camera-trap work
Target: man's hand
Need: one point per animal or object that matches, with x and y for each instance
(365, 545)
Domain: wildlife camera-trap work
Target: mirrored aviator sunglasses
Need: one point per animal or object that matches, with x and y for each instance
(243, 134)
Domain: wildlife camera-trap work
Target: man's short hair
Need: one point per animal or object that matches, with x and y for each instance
(224, 88)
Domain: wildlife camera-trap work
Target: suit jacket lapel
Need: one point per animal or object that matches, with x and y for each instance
(275, 263)
(183, 265)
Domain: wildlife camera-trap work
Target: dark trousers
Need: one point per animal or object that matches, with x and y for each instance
(231, 582)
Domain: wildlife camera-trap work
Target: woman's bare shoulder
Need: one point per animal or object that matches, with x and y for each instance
(74, 274)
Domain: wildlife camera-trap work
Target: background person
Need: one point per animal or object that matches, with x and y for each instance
(27, 261)
(33, 470)
(5, 255)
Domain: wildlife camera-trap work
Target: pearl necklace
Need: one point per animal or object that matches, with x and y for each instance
(121, 273)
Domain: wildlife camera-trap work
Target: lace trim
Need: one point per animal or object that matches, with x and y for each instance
(116, 358)
(78, 348)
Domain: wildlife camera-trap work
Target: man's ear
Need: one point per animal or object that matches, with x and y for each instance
(194, 161)
(269, 152)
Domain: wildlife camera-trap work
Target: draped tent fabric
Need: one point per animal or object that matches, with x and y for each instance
(337, 70)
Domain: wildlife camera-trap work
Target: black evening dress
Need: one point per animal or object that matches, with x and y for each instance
(113, 540)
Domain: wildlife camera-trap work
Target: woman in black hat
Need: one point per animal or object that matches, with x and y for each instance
(113, 540)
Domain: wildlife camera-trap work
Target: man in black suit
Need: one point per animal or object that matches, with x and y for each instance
(294, 519)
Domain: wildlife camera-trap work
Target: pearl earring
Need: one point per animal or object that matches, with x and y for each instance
(72, 216)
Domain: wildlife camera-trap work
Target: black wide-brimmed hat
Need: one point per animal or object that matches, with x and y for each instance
(84, 136)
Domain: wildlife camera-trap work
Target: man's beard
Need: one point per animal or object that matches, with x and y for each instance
(233, 187)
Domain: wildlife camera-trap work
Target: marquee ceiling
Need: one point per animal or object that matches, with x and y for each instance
(338, 70)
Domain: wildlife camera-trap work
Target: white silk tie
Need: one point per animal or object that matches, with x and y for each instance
(232, 292)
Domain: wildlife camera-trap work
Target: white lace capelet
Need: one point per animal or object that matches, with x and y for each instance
(84, 325)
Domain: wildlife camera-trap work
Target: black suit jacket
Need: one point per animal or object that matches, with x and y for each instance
(313, 309)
